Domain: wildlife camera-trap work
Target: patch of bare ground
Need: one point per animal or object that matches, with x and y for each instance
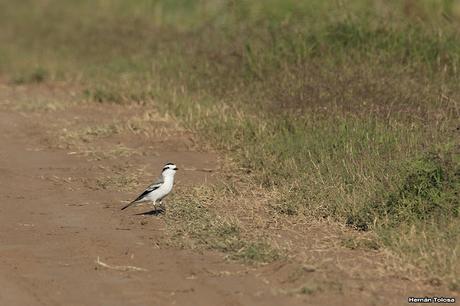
(68, 164)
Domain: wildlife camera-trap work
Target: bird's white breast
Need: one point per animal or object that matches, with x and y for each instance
(164, 189)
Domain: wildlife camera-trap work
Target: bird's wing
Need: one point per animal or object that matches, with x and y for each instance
(158, 182)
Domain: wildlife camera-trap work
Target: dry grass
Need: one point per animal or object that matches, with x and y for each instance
(195, 223)
(96, 140)
(348, 115)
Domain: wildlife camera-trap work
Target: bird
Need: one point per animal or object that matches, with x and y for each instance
(159, 189)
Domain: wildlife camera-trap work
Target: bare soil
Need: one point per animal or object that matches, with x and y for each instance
(55, 222)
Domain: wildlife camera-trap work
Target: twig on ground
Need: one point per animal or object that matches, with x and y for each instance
(200, 169)
(119, 268)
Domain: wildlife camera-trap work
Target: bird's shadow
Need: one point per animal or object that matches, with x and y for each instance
(154, 212)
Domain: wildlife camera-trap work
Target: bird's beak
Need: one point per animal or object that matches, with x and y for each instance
(176, 169)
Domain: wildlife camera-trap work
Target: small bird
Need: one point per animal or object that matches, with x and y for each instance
(159, 189)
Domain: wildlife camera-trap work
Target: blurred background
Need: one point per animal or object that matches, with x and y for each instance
(348, 108)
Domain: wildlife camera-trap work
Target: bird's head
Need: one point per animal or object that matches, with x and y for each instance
(169, 169)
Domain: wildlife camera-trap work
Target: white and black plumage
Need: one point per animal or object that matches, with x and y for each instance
(159, 189)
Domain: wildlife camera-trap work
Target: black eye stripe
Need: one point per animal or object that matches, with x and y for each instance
(170, 166)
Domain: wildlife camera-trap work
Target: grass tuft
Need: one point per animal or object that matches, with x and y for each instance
(37, 75)
(194, 224)
(428, 193)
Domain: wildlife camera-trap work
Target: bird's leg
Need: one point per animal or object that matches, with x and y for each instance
(163, 208)
(154, 205)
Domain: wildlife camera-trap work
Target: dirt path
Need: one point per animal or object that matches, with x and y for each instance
(54, 226)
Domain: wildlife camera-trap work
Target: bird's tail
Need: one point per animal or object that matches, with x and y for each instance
(124, 207)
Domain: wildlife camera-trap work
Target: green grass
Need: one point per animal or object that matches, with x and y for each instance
(347, 109)
(428, 192)
(35, 76)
